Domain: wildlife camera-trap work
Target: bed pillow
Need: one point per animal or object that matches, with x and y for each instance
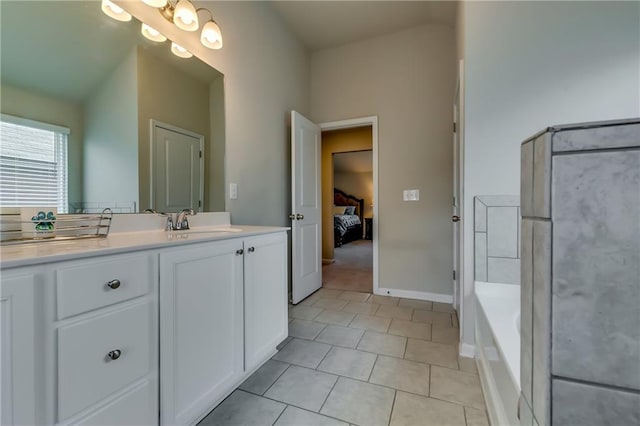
(350, 210)
(339, 209)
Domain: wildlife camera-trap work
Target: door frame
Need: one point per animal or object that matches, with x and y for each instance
(365, 122)
(152, 136)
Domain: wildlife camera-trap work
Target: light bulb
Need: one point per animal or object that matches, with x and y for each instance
(211, 36)
(155, 3)
(185, 16)
(114, 11)
(152, 34)
(180, 51)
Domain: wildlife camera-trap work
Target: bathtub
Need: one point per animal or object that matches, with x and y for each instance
(498, 349)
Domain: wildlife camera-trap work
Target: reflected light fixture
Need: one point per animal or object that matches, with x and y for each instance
(152, 34)
(114, 11)
(180, 51)
(184, 15)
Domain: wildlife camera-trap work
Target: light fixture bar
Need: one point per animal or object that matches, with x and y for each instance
(180, 51)
(114, 11)
(152, 34)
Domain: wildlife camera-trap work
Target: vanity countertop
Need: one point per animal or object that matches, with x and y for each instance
(121, 242)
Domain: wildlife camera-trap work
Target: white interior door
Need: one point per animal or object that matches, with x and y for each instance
(177, 171)
(306, 209)
(456, 204)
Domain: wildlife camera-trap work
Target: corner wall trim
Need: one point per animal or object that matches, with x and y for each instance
(467, 350)
(420, 295)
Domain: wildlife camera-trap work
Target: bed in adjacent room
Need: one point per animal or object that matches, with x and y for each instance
(347, 217)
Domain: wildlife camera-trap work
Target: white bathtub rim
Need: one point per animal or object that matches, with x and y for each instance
(501, 316)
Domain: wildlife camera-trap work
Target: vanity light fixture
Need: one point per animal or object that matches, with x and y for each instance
(180, 51)
(114, 11)
(152, 34)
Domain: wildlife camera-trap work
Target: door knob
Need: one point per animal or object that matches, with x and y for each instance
(456, 218)
(299, 216)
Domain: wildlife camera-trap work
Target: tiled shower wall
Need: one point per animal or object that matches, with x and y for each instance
(497, 238)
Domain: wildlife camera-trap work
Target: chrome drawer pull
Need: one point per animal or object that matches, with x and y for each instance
(114, 354)
(252, 249)
(113, 284)
(239, 252)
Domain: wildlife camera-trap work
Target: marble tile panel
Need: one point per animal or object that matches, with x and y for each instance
(310, 300)
(468, 364)
(264, 377)
(502, 232)
(606, 137)
(383, 300)
(456, 386)
(302, 387)
(400, 312)
(526, 179)
(410, 329)
(542, 176)
(332, 304)
(354, 296)
(430, 317)
(401, 374)
(303, 312)
(447, 335)
(303, 353)
(480, 219)
(501, 270)
(340, 336)
(327, 293)
(368, 322)
(285, 341)
(583, 404)
(304, 329)
(526, 310)
(244, 409)
(443, 307)
(384, 344)
(359, 403)
(335, 317)
(361, 308)
(412, 410)
(293, 416)
(476, 417)
(454, 321)
(349, 363)
(480, 256)
(425, 305)
(596, 265)
(432, 353)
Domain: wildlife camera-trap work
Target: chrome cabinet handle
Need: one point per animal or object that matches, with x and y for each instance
(299, 216)
(114, 354)
(292, 216)
(251, 249)
(455, 218)
(239, 252)
(113, 284)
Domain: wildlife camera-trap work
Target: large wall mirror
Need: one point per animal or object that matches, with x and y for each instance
(138, 115)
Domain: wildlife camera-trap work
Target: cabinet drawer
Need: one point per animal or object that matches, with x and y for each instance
(86, 373)
(94, 284)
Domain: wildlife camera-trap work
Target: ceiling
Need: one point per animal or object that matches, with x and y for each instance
(353, 162)
(322, 24)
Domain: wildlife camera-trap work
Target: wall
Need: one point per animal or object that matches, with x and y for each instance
(266, 75)
(533, 64)
(358, 184)
(34, 106)
(347, 140)
(111, 137)
(407, 80)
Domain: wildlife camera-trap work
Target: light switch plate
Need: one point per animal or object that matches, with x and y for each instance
(411, 194)
(233, 191)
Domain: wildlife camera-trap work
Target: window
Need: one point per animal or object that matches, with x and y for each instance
(33, 164)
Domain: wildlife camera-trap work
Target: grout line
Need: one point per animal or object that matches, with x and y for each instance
(372, 368)
(393, 404)
(280, 415)
(274, 382)
(326, 398)
(323, 358)
(430, 386)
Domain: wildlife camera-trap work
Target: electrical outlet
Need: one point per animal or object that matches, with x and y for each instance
(411, 194)
(233, 191)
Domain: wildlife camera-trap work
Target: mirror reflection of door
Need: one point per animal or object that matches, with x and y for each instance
(177, 179)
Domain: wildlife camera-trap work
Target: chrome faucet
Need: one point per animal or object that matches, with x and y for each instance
(181, 222)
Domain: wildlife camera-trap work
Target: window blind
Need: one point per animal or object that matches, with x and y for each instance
(33, 164)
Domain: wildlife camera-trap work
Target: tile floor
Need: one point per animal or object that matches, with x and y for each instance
(355, 358)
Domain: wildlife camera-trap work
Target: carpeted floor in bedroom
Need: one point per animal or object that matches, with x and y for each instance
(352, 269)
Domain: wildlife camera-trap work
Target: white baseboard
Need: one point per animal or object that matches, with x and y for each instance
(420, 295)
(467, 350)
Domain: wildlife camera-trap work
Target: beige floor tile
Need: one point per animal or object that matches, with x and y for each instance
(359, 403)
(354, 296)
(429, 317)
(476, 417)
(340, 336)
(410, 329)
(302, 387)
(293, 416)
(333, 304)
(401, 374)
(414, 410)
(264, 377)
(243, 408)
(425, 305)
(335, 317)
(456, 386)
(304, 312)
(468, 364)
(454, 320)
(361, 308)
(368, 322)
(348, 362)
(383, 300)
(400, 312)
(285, 341)
(328, 293)
(304, 329)
(310, 300)
(443, 307)
(384, 344)
(303, 352)
(432, 353)
(442, 334)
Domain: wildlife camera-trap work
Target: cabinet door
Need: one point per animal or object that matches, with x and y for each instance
(17, 351)
(201, 320)
(265, 296)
